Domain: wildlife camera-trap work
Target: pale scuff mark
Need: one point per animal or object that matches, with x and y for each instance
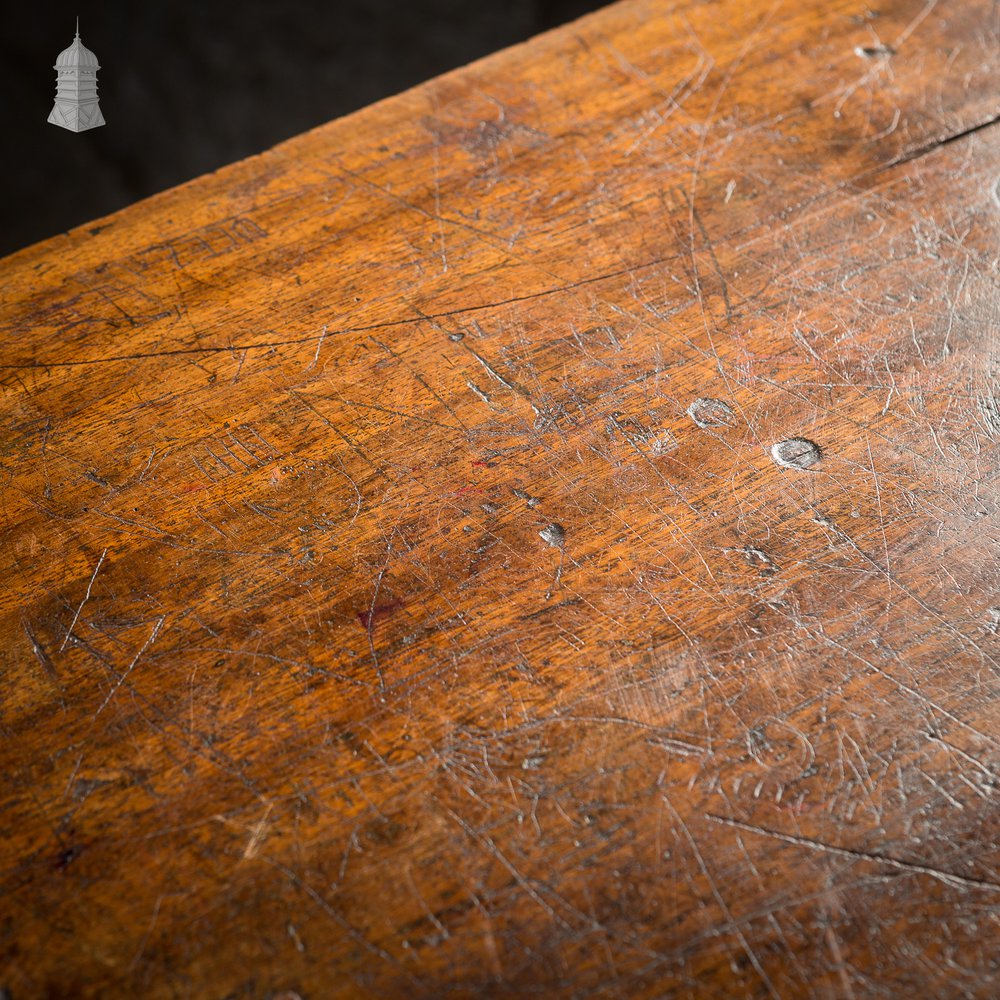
(86, 597)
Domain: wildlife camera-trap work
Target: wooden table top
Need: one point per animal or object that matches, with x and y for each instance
(536, 536)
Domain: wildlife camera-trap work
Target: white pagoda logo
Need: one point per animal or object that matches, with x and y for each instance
(76, 106)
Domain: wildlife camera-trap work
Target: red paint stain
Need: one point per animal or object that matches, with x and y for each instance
(369, 616)
(798, 808)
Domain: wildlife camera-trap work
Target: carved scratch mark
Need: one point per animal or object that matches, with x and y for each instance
(319, 346)
(86, 597)
(257, 833)
(39, 651)
(713, 886)
(949, 878)
(514, 387)
(135, 660)
(490, 845)
(370, 617)
(337, 917)
(881, 521)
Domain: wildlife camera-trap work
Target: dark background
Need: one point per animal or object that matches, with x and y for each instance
(186, 87)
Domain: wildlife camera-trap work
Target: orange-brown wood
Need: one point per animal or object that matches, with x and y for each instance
(402, 595)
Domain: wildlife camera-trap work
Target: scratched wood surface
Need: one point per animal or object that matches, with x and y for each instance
(536, 536)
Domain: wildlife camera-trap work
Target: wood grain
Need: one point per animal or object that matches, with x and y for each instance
(402, 597)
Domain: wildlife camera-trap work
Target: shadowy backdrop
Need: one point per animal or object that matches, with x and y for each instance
(187, 87)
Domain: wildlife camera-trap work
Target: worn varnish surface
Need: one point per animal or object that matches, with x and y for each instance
(402, 594)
